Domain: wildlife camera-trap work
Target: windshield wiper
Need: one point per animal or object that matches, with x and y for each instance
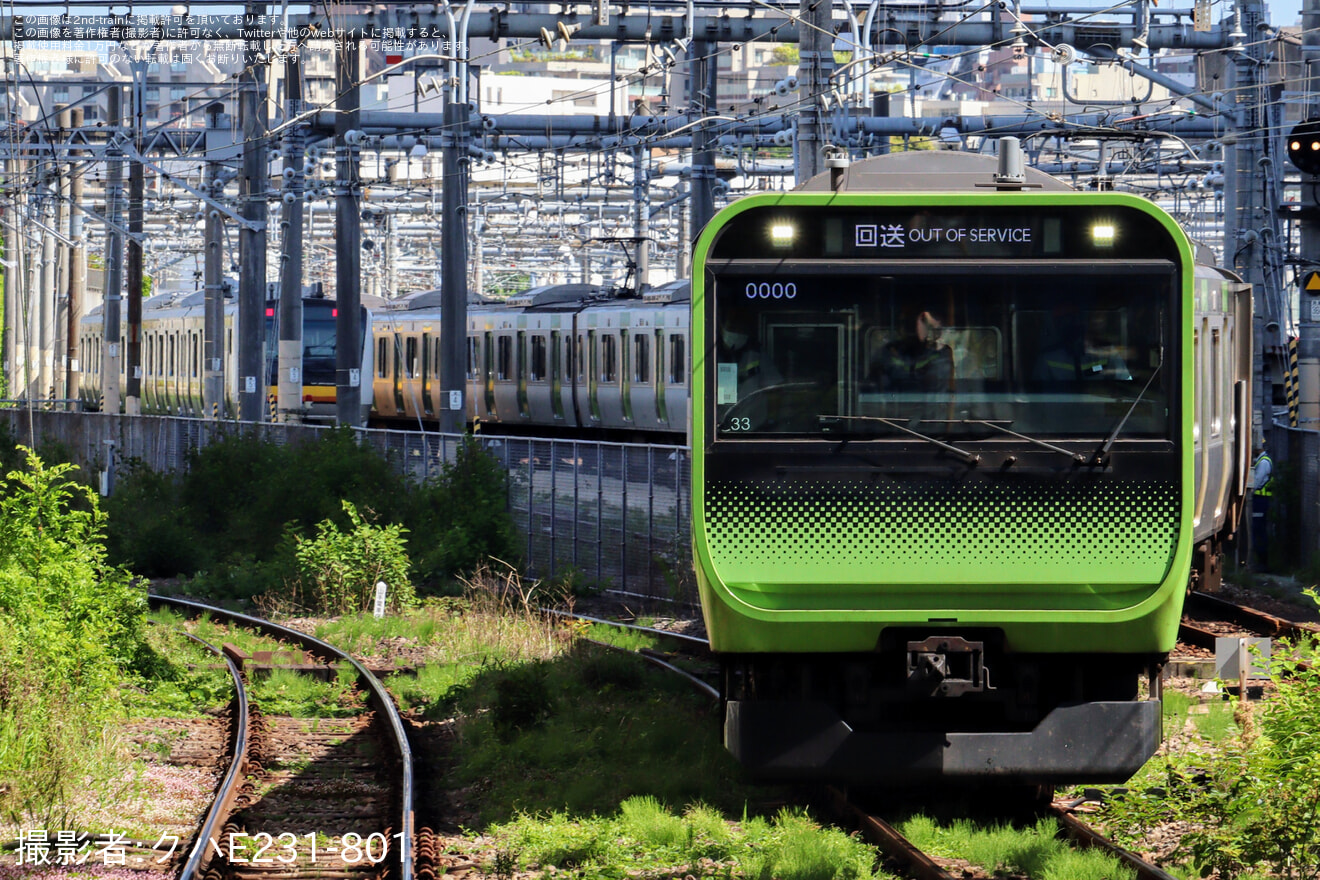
(1099, 457)
(970, 458)
(999, 426)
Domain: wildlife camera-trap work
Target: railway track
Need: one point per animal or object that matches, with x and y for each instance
(917, 864)
(303, 797)
(1207, 617)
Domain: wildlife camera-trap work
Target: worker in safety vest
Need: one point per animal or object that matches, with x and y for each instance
(1261, 484)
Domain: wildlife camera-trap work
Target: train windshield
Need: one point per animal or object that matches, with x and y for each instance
(970, 351)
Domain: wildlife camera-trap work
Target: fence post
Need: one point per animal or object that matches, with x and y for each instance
(623, 523)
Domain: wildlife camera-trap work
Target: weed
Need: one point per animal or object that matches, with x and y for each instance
(998, 848)
(338, 570)
(286, 692)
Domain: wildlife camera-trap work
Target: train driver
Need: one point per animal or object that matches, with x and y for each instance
(917, 360)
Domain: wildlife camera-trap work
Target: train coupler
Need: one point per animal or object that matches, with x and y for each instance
(947, 666)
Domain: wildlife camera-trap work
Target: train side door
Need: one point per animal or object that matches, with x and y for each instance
(593, 374)
(556, 378)
(661, 408)
(488, 364)
(520, 367)
(428, 406)
(398, 374)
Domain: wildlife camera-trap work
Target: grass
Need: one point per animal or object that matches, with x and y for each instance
(1176, 707)
(245, 640)
(186, 679)
(1217, 725)
(287, 692)
(571, 756)
(1035, 850)
(643, 837)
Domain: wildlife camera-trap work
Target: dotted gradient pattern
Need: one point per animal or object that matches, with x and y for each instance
(1100, 532)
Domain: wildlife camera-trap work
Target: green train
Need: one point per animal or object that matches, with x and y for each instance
(962, 438)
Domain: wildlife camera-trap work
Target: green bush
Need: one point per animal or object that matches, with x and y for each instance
(338, 570)
(464, 514)
(235, 518)
(73, 631)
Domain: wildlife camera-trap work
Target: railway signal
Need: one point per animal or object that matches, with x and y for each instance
(1304, 147)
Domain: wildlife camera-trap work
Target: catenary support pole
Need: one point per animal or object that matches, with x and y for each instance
(348, 236)
(111, 358)
(253, 374)
(291, 259)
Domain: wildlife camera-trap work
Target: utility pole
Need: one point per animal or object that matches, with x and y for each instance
(291, 258)
(453, 264)
(348, 235)
(9, 206)
(45, 334)
(641, 219)
(1244, 208)
(1308, 300)
(136, 215)
(114, 258)
(213, 308)
(816, 64)
(77, 264)
(59, 295)
(702, 97)
(252, 371)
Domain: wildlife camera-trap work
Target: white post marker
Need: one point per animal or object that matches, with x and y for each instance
(379, 608)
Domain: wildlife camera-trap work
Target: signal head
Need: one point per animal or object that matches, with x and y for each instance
(1304, 147)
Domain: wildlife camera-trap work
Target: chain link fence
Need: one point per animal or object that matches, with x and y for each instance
(611, 514)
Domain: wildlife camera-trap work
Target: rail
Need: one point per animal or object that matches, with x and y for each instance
(379, 697)
(197, 861)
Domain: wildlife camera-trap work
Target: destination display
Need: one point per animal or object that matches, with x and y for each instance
(975, 232)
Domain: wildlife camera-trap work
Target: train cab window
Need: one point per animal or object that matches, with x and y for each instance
(383, 357)
(609, 359)
(537, 370)
(410, 358)
(641, 358)
(677, 359)
(504, 358)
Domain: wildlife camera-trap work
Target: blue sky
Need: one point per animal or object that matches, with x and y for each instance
(1284, 12)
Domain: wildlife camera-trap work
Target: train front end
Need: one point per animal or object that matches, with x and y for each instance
(942, 473)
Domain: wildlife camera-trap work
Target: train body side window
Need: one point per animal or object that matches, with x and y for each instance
(504, 358)
(609, 358)
(537, 371)
(641, 359)
(677, 359)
